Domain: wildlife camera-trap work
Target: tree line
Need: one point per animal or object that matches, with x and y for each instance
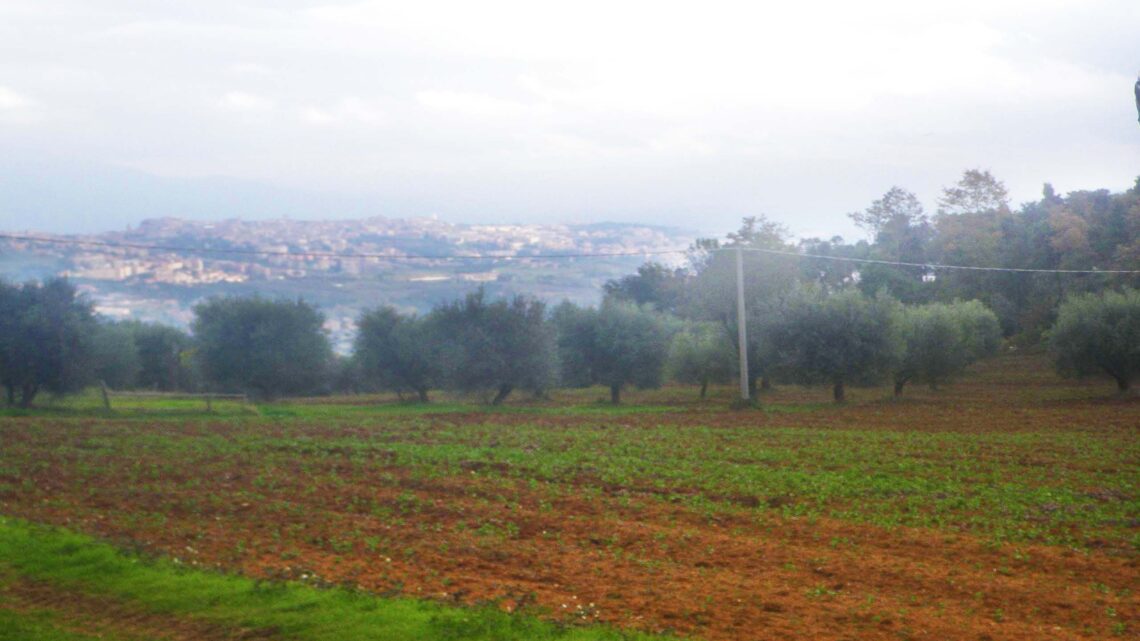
(813, 316)
(51, 341)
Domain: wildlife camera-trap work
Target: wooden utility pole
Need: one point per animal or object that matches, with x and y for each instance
(741, 331)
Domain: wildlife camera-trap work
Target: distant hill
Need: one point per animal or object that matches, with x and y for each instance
(159, 269)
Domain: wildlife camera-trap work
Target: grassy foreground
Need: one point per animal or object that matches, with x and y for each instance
(79, 567)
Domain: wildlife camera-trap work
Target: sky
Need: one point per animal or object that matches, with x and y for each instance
(684, 114)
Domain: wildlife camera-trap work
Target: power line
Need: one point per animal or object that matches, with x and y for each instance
(938, 266)
(453, 257)
(310, 254)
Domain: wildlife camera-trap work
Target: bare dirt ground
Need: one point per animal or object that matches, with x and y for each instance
(582, 549)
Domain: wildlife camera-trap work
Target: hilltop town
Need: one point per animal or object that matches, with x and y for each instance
(158, 269)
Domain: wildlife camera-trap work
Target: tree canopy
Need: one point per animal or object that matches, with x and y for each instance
(267, 348)
(941, 339)
(46, 335)
(495, 347)
(1099, 333)
(838, 339)
(397, 352)
(701, 354)
(615, 345)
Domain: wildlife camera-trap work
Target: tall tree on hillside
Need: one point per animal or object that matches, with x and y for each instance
(653, 284)
(768, 279)
(45, 340)
(901, 231)
(822, 265)
(969, 230)
(976, 191)
(267, 348)
(898, 224)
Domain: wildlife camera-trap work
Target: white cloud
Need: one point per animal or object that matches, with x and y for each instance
(738, 106)
(245, 102)
(348, 110)
(10, 100)
(16, 108)
(249, 69)
(465, 103)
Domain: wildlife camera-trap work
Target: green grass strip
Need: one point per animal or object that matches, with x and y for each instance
(39, 626)
(77, 562)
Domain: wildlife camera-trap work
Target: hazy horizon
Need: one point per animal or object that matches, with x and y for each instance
(117, 110)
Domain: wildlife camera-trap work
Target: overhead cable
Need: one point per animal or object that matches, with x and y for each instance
(472, 257)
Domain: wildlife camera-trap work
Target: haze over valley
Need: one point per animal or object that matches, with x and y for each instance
(235, 257)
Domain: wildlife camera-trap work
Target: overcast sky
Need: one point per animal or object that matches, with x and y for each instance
(691, 114)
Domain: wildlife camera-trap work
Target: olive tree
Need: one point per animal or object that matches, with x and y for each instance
(701, 354)
(1099, 333)
(267, 348)
(495, 347)
(114, 355)
(615, 345)
(45, 340)
(839, 339)
(941, 339)
(396, 352)
(165, 356)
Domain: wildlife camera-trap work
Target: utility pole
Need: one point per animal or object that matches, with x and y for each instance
(742, 333)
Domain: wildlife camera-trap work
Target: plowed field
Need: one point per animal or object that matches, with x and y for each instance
(1006, 506)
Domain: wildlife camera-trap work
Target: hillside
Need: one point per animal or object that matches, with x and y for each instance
(344, 266)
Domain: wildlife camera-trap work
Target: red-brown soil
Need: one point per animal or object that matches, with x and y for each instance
(583, 552)
(635, 560)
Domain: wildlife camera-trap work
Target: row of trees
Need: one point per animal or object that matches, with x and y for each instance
(803, 300)
(974, 225)
(815, 337)
(50, 340)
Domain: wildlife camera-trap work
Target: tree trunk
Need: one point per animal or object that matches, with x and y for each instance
(28, 394)
(615, 394)
(423, 394)
(837, 392)
(704, 388)
(504, 392)
(1122, 383)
